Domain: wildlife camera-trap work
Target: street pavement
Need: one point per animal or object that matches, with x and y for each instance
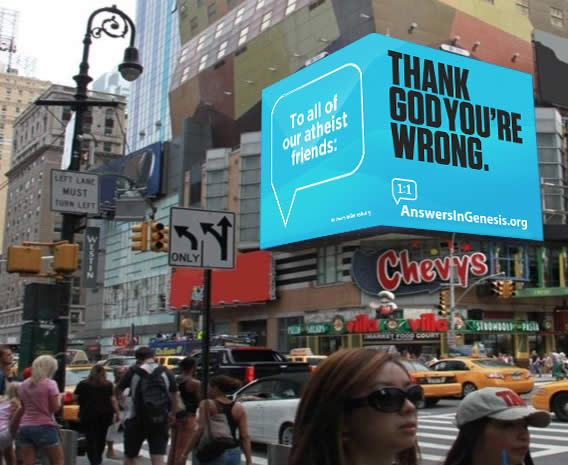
(436, 433)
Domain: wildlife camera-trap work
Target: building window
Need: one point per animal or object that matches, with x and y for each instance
(185, 74)
(556, 17)
(201, 42)
(259, 4)
(222, 50)
(194, 23)
(203, 62)
(523, 7)
(329, 264)
(290, 7)
(231, 3)
(243, 36)
(211, 13)
(107, 147)
(266, 21)
(219, 29)
(200, 2)
(240, 14)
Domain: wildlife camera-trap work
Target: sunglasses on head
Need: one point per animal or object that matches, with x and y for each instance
(389, 399)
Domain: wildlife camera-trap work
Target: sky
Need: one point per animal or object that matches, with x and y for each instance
(53, 32)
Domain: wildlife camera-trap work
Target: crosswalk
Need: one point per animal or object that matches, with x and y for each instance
(258, 457)
(436, 434)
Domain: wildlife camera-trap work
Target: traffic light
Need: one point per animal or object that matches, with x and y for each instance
(23, 259)
(443, 306)
(66, 258)
(159, 237)
(140, 237)
(504, 289)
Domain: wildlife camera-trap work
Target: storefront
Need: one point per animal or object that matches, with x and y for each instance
(424, 336)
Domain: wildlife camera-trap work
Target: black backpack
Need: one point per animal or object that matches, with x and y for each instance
(152, 396)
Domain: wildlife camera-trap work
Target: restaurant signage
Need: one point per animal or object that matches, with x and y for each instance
(419, 327)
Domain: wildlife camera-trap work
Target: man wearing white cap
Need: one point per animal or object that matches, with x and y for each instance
(493, 429)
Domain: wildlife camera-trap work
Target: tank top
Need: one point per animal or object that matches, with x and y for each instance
(5, 410)
(227, 410)
(189, 399)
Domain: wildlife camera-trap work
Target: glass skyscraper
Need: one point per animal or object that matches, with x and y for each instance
(157, 39)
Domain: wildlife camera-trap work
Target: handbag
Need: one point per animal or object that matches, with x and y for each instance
(216, 438)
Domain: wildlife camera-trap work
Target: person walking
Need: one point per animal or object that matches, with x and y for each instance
(113, 430)
(9, 408)
(154, 403)
(493, 429)
(219, 404)
(98, 409)
(189, 390)
(6, 362)
(40, 399)
(358, 407)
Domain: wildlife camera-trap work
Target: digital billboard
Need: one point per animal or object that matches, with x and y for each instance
(389, 133)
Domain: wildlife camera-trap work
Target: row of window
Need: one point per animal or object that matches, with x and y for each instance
(556, 14)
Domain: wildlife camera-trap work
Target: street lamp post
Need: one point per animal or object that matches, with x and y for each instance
(115, 24)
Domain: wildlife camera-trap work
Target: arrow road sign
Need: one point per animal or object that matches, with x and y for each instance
(202, 238)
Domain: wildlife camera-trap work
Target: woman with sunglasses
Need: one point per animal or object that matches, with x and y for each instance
(359, 407)
(493, 429)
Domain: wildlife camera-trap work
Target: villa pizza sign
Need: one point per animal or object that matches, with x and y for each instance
(394, 270)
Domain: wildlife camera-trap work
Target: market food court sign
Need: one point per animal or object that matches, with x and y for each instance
(423, 326)
(394, 270)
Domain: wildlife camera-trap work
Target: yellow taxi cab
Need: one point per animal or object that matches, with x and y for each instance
(553, 397)
(73, 375)
(474, 373)
(305, 355)
(436, 384)
(169, 362)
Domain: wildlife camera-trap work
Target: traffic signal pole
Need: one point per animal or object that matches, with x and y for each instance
(130, 70)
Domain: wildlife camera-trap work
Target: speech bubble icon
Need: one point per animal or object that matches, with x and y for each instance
(317, 135)
(404, 189)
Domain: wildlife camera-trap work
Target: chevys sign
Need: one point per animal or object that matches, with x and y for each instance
(394, 270)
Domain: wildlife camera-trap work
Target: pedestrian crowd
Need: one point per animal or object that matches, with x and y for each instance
(147, 401)
(358, 407)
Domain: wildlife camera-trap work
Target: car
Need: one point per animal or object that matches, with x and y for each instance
(170, 362)
(436, 384)
(305, 355)
(117, 362)
(271, 405)
(552, 397)
(475, 373)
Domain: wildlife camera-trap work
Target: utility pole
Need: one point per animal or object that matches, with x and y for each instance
(116, 24)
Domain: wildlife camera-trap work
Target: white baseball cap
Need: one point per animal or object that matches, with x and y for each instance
(499, 404)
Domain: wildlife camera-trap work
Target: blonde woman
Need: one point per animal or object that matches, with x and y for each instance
(40, 399)
(9, 407)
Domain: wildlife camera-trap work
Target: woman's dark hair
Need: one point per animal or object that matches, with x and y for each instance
(187, 364)
(225, 384)
(320, 420)
(461, 452)
(94, 377)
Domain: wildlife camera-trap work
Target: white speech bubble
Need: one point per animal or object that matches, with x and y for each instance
(404, 189)
(286, 218)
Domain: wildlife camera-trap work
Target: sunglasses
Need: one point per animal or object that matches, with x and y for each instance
(389, 399)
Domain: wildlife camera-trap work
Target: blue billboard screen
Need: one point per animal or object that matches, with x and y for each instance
(389, 133)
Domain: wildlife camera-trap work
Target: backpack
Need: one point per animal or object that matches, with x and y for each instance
(217, 435)
(151, 395)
